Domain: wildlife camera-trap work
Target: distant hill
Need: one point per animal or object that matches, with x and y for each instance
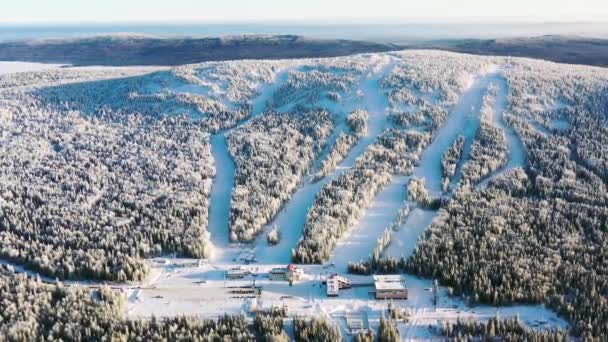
(141, 50)
(561, 49)
(123, 50)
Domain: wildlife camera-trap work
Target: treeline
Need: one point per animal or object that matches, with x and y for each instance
(318, 329)
(218, 95)
(589, 137)
(451, 157)
(232, 87)
(416, 192)
(534, 235)
(489, 150)
(338, 152)
(130, 95)
(341, 202)
(427, 120)
(357, 121)
(34, 311)
(272, 153)
(108, 175)
(311, 85)
(375, 258)
(431, 75)
(499, 249)
(357, 124)
(387, 331)
(235, 82)
(496, 329)
(268, 326)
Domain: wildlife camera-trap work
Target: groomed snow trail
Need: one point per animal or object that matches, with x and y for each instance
(404, 240)
(362, 238)
(517, 154)
(463, 119)
(221, 191)
(360, 242)
(292, 217)
(223, 182)
(259, 103)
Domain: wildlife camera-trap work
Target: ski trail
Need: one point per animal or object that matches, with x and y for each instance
(331, 141)
(223, 182)
(292, 217)
(221, 191)
(362, 238)
(463, 119)
(403, 242)
(260, 102)
(517, 154)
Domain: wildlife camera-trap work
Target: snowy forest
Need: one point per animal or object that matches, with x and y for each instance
(104, 169)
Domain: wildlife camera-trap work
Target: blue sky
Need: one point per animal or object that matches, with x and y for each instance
(14, 11)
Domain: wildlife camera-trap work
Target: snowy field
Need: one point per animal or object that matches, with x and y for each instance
(14, 67)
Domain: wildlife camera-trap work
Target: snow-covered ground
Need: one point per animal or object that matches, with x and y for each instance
(203, 291)
(292, 217)
(223, 183)
(262, 100)
(404, 240)
(517, 154)
(362, 238)
(14, 67)
(462, 119)
(219, 209)
(186, 288)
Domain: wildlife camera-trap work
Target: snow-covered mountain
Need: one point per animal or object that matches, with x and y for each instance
(488, 174)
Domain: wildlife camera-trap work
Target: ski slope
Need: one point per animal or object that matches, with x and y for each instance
(221, 189)
(517, 154)
(291, 219)
(463, 119)
(181, 286)
(361, 240)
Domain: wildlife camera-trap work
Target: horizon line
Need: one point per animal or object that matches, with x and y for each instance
(388, 21)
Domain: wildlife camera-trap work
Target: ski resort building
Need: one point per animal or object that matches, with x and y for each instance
(236, 273)
(278, 273)
(390, 287)
(289, 273)
(333, 289)
(335, 283)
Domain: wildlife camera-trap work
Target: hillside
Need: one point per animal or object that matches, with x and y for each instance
(121, 50)
(481, 177)
(560, 49)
